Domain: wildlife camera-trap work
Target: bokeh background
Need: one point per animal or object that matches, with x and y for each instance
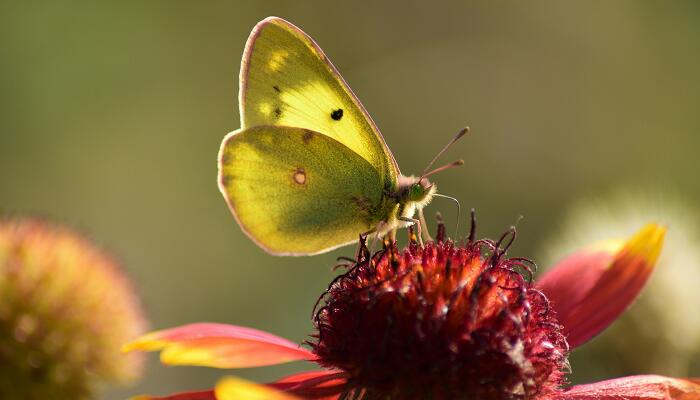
(111, 115)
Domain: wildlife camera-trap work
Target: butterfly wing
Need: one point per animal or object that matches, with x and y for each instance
(287, 80)
(298, 192)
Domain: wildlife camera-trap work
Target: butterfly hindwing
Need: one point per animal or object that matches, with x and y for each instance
(287, 80)
(291, 190)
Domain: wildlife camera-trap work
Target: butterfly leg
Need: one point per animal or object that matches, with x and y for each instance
(375, 232)
(424, 226)
(415, 223)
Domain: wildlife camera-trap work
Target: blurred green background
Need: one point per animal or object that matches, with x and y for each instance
(112, 113)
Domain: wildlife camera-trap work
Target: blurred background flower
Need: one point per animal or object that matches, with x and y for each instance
(66, 310)
(112, 115)
(660, 333)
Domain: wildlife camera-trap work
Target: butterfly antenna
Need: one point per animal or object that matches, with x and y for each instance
(444, 167)
(459, 211)
(461, 133)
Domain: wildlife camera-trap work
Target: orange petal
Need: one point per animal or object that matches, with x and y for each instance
(640, 387)
(592, 287)
(198, 395)
(231, 388)
(219, 346)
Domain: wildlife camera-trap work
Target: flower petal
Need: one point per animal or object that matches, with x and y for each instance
(592, 287)
(640, 387)
(219, 346)
(305, 376)
(231, 388)
(321, 385)
(198, 395)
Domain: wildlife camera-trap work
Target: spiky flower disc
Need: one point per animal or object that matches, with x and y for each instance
(65, 311)
(440, 322)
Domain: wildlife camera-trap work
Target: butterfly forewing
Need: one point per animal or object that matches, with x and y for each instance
(286, 80)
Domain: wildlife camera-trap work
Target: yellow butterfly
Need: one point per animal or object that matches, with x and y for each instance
(309, 171)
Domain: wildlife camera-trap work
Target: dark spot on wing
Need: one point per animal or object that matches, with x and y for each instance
(226, 180)
(277, 89)
(337, 114)
(363, 203)
(226, 157)
(308, 135)
(278, 112)
(299, 176)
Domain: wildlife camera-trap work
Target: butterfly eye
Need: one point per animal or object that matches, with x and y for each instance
(416, 192)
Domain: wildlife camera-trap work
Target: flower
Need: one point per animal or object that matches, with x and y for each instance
(66, 308)
(672, 338)
(442, 321)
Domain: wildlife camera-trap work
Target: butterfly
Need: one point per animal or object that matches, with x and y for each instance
(308, 171)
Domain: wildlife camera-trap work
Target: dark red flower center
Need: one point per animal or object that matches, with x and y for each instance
(440, 321)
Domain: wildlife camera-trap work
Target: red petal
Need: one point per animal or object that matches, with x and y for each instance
(304, 376)
(640, 387)
(321, 385)
(219, 346)
(592, 287)
(198, 395)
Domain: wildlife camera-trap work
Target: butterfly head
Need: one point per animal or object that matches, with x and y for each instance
(420, 190)
(416, 191)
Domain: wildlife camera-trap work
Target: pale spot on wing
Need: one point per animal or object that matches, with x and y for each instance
(277, 59)
(265, 108)
(316, 101)
(300, 176)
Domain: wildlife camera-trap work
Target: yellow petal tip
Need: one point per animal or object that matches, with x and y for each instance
(147, 342)
(647, 243)
(182, 355)
(232, 388)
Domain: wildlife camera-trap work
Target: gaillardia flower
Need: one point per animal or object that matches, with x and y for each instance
(441, 321)
(65, 310)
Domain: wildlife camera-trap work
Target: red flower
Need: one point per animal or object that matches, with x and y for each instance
(443, 321)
